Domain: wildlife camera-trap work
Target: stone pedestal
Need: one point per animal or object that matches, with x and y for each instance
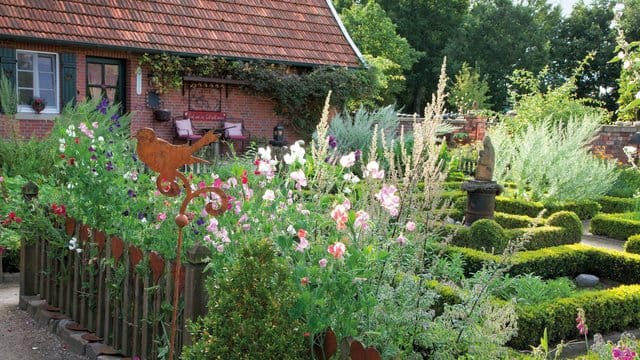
(481, 200)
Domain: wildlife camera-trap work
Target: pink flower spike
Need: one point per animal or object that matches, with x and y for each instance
(410, 226)
(337, 250)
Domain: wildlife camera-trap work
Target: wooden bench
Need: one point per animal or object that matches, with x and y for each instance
(234, 129)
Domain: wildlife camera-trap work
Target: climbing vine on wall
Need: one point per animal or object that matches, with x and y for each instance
(299, 93)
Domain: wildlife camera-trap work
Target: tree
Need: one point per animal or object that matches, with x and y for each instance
(587, 30)
(386, 52)
(427, 25)
(499, 37)
(469, 90)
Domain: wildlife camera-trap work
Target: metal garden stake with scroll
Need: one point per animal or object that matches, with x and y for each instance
(166, 159)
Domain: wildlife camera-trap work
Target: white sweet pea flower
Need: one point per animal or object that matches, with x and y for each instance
(296, 154)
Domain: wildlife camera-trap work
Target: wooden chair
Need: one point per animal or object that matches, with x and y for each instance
(236, 132)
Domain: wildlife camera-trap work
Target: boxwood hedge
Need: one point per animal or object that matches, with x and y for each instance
(606, 310)
(618, 226)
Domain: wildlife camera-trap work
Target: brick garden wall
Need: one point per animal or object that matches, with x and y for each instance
(613, 138)
(256, 111)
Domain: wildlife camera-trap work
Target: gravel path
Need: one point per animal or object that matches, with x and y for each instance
(20, 339)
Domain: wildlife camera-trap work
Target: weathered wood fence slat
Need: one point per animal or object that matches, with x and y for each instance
(119, 293)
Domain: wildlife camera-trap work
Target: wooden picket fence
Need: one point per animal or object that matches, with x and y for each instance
(119, 294)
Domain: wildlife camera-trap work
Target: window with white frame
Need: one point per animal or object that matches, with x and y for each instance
(38, 81)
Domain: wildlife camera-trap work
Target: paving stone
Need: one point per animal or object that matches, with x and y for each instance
(97, 350)
(34, 305)
(24, 301)
(586, 280)
(70, 337)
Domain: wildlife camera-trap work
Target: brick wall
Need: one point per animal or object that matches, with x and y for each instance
(613, 138)
(256, 111)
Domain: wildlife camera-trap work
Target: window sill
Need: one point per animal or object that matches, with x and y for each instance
(34, 116)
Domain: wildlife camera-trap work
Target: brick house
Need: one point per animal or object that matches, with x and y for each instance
(92, 48)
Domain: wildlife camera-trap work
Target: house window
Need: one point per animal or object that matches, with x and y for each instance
(37, 77)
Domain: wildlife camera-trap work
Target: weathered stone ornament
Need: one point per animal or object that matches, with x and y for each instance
(482, 191)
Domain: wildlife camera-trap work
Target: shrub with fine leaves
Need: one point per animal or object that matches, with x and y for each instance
(550, 162)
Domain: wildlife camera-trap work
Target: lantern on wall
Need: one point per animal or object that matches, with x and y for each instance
(278, 133)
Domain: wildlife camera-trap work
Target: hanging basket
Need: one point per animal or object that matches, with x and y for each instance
(162, 115)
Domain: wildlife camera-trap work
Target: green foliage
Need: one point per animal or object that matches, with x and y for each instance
(469, 90)
(587, 29)
(248, 311)
(520, 31)
(585, 209)
(518, 206)
(571, 224)
(388, 53)
(8, 98)
(355, 132)
(551, 162)
(612, 204)
(627, 183)
(629, 88)
(529, 289)
(632, 245)
(534, 105)
(618, 226)
(543, 236)
(606, 310)
(298, 96)
(30, 158)
(511, 221)
(487, 234)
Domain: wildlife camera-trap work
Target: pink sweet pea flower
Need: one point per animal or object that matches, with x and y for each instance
(362, 220)
(337, 250)
(348, 160)
(401, 240)
(300, 179)
(339, 214)
(388, 199)
(373, 171)
(162, 216)
(304, 281)
(269, 195)
(322, 263)
(410, 226)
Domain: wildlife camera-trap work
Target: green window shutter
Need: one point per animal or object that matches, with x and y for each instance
(8, 63)
(68, 78)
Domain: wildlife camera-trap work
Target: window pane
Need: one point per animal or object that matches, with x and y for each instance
(111, 95)
(25, 61)
(48, 97)
(46, 81)
(95, 92)
(25, 79)
(45, 63)
(95, 74)
(25, 96)
(111, 75)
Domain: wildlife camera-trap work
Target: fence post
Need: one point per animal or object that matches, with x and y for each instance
(195, 292)
(28, 253)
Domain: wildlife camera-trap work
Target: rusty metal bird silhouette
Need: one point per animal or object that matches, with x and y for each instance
(165, 158)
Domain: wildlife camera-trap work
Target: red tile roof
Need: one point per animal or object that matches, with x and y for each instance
(294, 31)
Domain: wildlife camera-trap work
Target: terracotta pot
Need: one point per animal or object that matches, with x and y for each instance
(70, 225)
(117, 248)
(157, 265)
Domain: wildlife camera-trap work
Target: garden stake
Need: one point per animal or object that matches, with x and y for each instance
(166, 159)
